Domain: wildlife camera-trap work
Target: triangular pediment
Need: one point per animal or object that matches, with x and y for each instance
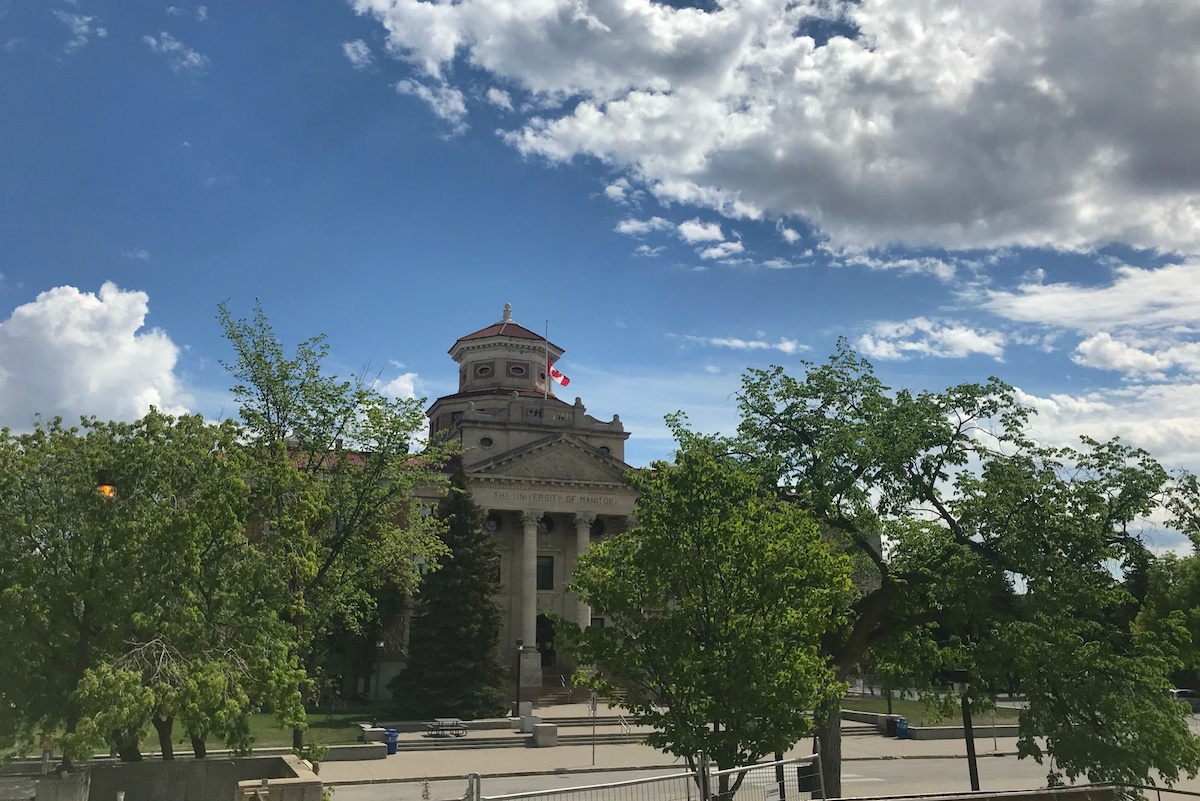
(558, 458)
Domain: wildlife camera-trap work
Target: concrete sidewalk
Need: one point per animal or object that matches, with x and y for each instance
(450, 764)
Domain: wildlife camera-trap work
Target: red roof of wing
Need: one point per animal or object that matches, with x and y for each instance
(506, 329)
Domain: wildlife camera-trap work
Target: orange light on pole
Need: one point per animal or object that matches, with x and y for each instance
(104, 485)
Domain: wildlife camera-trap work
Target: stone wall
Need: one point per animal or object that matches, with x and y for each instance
(289, 778)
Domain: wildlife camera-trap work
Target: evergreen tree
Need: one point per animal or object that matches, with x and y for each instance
(454, 668)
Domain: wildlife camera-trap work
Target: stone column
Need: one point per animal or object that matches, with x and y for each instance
(583, 541)
(531, 660)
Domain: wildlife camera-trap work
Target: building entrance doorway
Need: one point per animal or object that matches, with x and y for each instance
(545, 641)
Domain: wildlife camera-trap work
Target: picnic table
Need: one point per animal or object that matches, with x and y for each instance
(442, 727)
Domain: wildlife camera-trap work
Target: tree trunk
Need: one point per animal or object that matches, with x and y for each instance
(163, 726)
(298, 740)
(829, 738)
(199, 747)
(127, 746)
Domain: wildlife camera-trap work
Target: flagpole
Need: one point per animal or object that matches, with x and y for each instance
(546, 383)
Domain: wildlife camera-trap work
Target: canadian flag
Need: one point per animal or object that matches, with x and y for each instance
(558, 377)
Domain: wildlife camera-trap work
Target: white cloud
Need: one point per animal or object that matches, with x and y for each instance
(1037, 123)
(722, 251)
(181, 57)
(646, 250)
(74, 353)
(358, 53)
(923, 337)
(402, 386)
(140, 254)
(81, 29)
(174, 11)
(622, 191)
(694, 231)
(445, 101)
(500, 98)
(1162, 418)
(779, 264)
(1160, 297)
(941, 269)
(631, 227)
(789, 235)
(783, 345)
(201, 13)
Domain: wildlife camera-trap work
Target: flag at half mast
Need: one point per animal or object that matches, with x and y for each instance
(551, 370)
(558, 377)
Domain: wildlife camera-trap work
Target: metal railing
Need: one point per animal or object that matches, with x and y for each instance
(795, 779)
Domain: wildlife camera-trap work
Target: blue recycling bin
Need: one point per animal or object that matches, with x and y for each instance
(392, 738)
(901, 728)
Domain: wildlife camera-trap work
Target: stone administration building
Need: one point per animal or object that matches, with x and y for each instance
(548, 475)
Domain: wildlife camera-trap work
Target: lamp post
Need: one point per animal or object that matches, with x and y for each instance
(968, 731)
(378, 669)
(517, 677)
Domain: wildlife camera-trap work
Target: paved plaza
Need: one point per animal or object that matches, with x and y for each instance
(495, 762)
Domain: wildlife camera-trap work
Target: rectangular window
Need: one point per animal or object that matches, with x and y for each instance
(545, 572)
(597, 622)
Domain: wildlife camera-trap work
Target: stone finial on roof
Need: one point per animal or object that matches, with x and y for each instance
(508, 312)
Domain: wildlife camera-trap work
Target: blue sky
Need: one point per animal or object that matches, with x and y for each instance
(682, 190)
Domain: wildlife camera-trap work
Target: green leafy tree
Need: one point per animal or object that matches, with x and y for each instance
(454, 666)
(335, 487)
(87, 578)
(718, 602)
(1001, 557)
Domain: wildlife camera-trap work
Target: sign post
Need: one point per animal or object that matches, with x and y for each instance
(592, 712)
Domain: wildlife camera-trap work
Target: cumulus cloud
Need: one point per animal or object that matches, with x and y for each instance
(500, 98)
(646, 250)
(1143, 322)
(1028, 124)
(783, 345)
(445, 101)
(402, 386)
(74, 353)
(181, 57)
(1161, 297)
(622, 191)
(631, 227)
(1163, 418)
(923, 337)
(722, 250)
(82, 28)
(695, 231)
(358, 53)
(790, 235)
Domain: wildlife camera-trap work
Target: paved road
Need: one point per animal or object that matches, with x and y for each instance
(865, 778)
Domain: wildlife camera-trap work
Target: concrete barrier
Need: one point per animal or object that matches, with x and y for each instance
(958, 733)
(351, 753)
(545, 735)
(288, 778)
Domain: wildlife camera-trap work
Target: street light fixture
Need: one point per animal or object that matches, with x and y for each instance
(517, 677)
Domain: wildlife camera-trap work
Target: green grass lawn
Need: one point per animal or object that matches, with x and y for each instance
(329, 728)
(919, 714)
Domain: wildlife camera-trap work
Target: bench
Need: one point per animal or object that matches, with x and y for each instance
(443, 727)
